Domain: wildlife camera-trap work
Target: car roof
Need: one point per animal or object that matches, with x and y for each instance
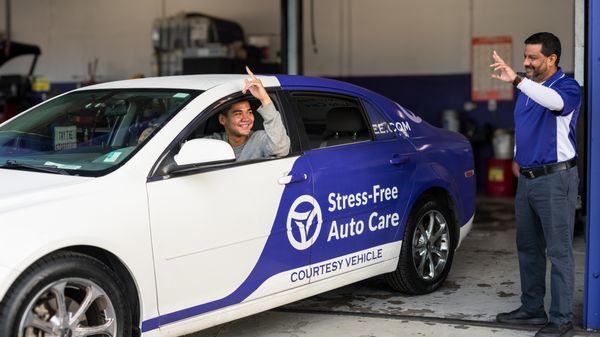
(205, 82)
(189, 82)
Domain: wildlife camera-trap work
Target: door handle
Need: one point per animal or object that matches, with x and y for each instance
(292, 178)
(398, 160)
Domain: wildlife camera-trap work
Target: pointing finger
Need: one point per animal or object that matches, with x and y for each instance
(250, 73)
(497, 57)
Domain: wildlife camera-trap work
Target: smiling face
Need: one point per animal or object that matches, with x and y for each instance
(538, 66)
(238, 120)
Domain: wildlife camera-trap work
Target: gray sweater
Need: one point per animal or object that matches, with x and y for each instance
(273, 141)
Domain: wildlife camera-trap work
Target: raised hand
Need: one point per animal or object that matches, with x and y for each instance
(256, 88)
(502, 71)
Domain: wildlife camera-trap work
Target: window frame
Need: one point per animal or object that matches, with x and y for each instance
(377, 113)
(166, 158)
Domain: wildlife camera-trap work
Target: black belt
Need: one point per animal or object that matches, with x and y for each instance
(538, 171)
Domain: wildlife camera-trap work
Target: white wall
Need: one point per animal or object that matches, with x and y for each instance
(354, 37)
(391, 37)
(72, 33)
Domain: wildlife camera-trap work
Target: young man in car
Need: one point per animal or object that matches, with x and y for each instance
(238, 120)
(545, 116)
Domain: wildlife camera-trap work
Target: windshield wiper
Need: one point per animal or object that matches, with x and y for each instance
(13, 164)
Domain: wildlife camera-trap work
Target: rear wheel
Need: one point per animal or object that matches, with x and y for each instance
(66, 295)
(427, 250)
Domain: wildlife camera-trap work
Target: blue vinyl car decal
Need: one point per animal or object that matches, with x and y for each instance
(360, 200)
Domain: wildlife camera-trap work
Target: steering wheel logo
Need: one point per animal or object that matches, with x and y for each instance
(304, 222)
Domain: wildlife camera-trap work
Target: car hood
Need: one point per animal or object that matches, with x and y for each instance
(19, 187)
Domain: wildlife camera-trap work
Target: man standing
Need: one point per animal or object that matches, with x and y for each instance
(545, 117)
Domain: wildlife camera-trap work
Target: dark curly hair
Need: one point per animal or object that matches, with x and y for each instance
(550, 44)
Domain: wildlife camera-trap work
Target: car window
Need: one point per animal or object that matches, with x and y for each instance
(212, 126)
(331, 120)
(379, 125)
(87, 132)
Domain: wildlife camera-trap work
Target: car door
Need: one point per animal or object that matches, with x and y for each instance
(222, 233)
(360, 181)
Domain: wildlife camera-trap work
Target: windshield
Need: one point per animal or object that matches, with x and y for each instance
(87, 132)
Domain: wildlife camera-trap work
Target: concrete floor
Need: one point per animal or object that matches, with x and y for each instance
(484, 280)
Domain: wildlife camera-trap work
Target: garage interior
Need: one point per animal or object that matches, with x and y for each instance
(424, 55)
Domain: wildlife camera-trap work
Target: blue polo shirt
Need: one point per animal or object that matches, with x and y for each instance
(543, 136)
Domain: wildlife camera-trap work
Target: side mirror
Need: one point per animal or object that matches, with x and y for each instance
(200, 151)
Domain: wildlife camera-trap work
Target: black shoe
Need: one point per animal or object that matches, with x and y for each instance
(520, 316)
(555, 330)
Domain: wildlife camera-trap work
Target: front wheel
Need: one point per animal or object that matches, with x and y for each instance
(427, 250)
(66, 294)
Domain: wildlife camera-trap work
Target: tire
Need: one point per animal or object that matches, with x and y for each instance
(62, 295)
(426, 254)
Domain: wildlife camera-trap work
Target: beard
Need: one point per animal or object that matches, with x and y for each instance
(530, 71)
(534, 73)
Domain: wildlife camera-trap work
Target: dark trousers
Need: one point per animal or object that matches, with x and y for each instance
(545, 215)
